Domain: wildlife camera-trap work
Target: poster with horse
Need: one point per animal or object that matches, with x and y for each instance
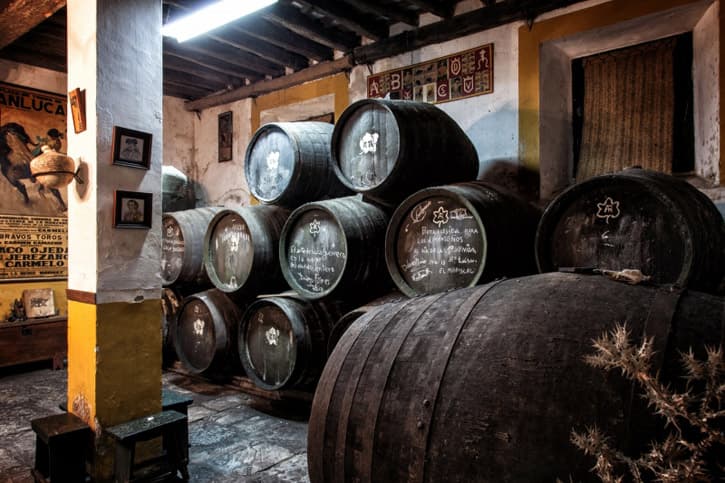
(33, 218)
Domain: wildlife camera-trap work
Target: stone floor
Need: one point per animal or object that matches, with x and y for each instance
(233, 437)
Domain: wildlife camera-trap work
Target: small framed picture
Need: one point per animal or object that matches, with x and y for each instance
(77, 98)
(131, 148)
(225, 136)
(132, 209)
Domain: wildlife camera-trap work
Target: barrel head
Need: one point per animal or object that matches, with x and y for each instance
(315, 250)
(270, 164)
(268, 346)
(230, 252)
(366, 146)
(439, 245)
(195, 336)
(172, 251)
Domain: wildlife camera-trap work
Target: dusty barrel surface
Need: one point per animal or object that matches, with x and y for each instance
(206, 330)
(171, 301)
(334, 247)
(288, 164)
(458, 236)
(636, 219)
(240, 249)
(388, 149)
(283, 341)
(182, 254)
(177, 191)
(486, 383)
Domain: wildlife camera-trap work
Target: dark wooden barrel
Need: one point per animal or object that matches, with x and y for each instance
(182, 254)
(486, 383)
(636, 219)
(171, 301)
(334, 247)
(283, 341)
(240, 250)
(458, 236)
(206, 333)
(288, 164)
(177, 190)
(388, 149)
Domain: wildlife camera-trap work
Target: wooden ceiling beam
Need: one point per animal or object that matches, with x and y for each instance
(391, 11)
(213, 64)
(186, 90)
(188, 79)
(240, 39)
(20, 16)
(200, 52)
(292, 19)
(475, 21)
(31, 56)
(284, 38)
(442, 11)
(357, 22)
(177, 65)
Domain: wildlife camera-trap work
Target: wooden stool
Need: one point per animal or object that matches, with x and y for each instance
(171, 426)
(61, 443)
(175, 401)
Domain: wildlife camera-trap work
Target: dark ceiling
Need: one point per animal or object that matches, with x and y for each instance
(292, 36)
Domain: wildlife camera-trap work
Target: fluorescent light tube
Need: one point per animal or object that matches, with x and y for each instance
(211, 17)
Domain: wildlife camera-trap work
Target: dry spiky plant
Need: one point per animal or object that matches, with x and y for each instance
(693, 449)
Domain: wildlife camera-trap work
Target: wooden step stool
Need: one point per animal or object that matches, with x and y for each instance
(171, 426)
(61, 444)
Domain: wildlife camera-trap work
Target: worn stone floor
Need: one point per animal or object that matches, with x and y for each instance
(234, 437)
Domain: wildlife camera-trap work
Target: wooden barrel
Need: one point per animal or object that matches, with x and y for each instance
(206, 332)
(334, 247)
(486, 383)
(288, 164)
(182, 254)
(636, 219)
(177, 191)
(458, 236)
(240, 250)
(171, 301)
(283, 341)
(388, 149)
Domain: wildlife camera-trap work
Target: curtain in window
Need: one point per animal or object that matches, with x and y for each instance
(628, 110)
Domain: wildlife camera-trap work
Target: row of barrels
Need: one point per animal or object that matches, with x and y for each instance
(279, 341)
(449, 237)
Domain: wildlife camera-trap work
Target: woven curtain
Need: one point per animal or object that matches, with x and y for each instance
(628, 110)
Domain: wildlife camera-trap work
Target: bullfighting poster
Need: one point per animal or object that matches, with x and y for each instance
(33, 221)
(450, 78)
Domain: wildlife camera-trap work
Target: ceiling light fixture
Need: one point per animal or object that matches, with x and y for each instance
(211, 17)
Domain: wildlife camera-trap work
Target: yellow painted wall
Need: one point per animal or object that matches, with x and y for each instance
(10, 291)
(530, 41)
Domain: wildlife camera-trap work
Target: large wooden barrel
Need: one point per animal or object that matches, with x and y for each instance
(240, 250)
(206, 333)
(636, 219)
(486, 383)
(182, 254)
(388, 149)
(334, 247)
(458, 236)
(283, 341)
(288, 164)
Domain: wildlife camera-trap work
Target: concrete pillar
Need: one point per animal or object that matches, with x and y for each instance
(114, 282)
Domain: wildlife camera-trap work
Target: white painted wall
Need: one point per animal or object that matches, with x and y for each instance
(31, 76)
(221, 184)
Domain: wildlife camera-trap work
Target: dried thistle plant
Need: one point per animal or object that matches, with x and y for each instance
(694, 448)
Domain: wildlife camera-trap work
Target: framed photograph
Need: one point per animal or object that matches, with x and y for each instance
(225, 136)
(77, 98)
(132, 209)
(131, 148)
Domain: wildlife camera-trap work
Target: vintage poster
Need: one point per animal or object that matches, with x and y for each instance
(33, 224)
(445, 79)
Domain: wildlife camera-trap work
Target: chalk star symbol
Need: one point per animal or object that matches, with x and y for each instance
(314, 227)
(440, 216)
(608, 209)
